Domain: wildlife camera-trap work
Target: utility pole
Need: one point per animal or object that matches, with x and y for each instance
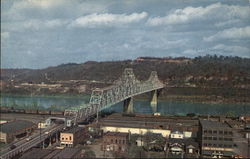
(40, 124)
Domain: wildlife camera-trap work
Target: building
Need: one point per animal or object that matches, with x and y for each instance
(216, 139)
(115, 142)
(187, 147)
(177, 135)
(72, 137)
(141, 124)
(15, 129)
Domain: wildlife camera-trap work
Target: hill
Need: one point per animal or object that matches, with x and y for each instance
(217, 76)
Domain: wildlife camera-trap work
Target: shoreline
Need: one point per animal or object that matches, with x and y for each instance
(170, 98)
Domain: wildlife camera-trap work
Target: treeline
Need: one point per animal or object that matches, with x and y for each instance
(211, 71)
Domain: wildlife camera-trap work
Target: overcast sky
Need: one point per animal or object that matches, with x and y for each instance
(42, 33)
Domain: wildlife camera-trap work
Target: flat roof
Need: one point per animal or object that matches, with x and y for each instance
(15, 126)
(36, 153)
(116, 134)
(213, 124)
(67, 153)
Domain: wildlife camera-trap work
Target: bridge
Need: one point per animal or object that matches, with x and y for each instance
(123, 89)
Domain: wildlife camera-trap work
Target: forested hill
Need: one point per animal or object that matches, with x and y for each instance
(208, 71)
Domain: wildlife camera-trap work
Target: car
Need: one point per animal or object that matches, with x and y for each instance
(12, 147)
(28, 138)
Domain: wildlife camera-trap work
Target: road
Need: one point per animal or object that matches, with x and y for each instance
(23, 145)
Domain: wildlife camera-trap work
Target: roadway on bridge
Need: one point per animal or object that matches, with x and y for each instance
(23, 145)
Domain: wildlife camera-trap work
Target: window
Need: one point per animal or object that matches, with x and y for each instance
(70, 138)
(205, 131)
(123, 141)
(214, 138)
(214, 145)
(205, 144)
(210, 131)
(225, 132)
(230, 133)
(220, 145)
(205, 138)
(116, 141)
(111, 140)
(63, 138)
(220, 132)
(220, 138)
(215, 132)
(66, 138)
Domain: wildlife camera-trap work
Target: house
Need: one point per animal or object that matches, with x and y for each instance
(188, 147)
(15, 129)
(73, 136)
(115, 141)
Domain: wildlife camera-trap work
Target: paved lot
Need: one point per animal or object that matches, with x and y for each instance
(30, 117)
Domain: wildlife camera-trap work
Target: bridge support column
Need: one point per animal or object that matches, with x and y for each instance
(153, 102)
(128, 106)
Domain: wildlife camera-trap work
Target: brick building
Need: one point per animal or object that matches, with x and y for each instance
(72, 137)
(115, 141)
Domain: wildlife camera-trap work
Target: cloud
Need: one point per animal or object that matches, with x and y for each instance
(232, 33)
(232, 50)
(5, 35)
(215, 12)
(107, 19)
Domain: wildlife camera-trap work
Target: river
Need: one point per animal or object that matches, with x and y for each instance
(164, 107)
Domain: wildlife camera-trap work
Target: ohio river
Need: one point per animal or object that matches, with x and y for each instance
(164, 107)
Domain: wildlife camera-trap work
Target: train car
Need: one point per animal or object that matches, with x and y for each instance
(44, 112)
(56, 112)
(18, 110)
(4, 109)
(28, 111)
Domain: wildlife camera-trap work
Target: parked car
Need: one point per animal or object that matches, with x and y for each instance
(12, 147)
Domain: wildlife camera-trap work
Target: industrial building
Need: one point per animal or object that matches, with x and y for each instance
(141, 124)
(15, 129)
(216, 139)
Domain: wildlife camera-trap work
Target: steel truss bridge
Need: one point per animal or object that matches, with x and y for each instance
(123, 89)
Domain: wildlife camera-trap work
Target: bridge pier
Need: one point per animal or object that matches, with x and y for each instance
(154, 100)
(128, 106)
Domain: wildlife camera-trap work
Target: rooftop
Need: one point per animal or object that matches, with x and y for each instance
(116, 134)
(213, 124)
(68, 153)
(15, 126)
(36, 153)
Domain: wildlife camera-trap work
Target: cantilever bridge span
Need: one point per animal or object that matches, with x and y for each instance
(123, 89)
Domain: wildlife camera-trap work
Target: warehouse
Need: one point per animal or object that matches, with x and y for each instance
(15, 129)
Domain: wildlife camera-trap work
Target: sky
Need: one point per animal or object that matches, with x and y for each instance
(42, 33)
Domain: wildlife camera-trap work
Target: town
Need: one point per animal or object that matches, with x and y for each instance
(122, 135)
(88, 131)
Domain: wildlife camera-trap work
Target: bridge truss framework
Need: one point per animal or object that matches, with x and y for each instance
(125, 87)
